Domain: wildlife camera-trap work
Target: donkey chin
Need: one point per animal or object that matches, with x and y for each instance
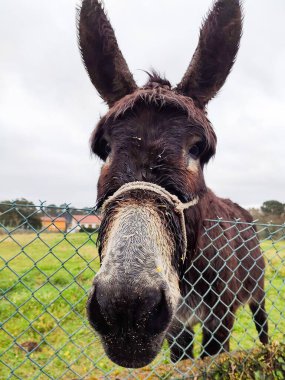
(136, 292)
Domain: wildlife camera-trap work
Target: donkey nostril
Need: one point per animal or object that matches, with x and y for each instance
(159, 316)
(95, 315)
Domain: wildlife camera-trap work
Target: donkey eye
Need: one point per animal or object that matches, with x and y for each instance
(194, 151)
(107, 149)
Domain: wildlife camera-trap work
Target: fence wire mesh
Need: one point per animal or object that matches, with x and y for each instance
(48, 261)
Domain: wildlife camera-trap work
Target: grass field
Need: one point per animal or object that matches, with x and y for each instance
(44, 281)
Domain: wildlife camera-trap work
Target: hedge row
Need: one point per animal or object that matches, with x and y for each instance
(261, 363)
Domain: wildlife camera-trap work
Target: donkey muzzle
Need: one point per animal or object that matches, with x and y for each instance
(129, 320)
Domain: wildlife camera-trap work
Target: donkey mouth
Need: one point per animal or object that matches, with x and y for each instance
(132, 351)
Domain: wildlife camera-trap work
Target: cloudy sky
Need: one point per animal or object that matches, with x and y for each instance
(48, 107)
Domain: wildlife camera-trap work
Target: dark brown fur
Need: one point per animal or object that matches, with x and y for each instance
(146, 136)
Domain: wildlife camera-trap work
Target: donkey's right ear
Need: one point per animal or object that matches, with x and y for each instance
(102, 57)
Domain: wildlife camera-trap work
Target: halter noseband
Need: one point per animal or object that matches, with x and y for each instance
(179, 206)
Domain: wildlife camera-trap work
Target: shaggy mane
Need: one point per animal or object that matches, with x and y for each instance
(155, 80)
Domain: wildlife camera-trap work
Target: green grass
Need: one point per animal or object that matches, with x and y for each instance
(44, 282)
(45, 285)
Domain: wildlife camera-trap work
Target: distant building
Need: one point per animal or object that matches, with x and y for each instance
(54, 224)
(84, 221)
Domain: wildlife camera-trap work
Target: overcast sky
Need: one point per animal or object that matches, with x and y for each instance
(48, 107)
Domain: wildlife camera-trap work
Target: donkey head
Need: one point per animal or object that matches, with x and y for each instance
(154, 134)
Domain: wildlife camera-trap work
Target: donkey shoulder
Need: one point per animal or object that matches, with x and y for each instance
(216, 207)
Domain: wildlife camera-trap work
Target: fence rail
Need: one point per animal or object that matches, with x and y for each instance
(48, 259)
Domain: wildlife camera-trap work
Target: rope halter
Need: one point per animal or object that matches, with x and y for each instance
(178, 206)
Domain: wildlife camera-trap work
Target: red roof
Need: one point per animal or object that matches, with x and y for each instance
(87, 219)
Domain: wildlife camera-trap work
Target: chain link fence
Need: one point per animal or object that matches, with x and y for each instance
(48, 259)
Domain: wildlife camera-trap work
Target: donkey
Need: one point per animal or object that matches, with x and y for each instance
(161, 273)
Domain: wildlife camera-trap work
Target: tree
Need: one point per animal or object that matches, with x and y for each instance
(255, 213)
(20, 212)
(272, 207)
(8, 216)
(51, 210)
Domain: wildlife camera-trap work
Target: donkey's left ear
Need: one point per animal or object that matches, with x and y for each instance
(215, 54)
(103, 59)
